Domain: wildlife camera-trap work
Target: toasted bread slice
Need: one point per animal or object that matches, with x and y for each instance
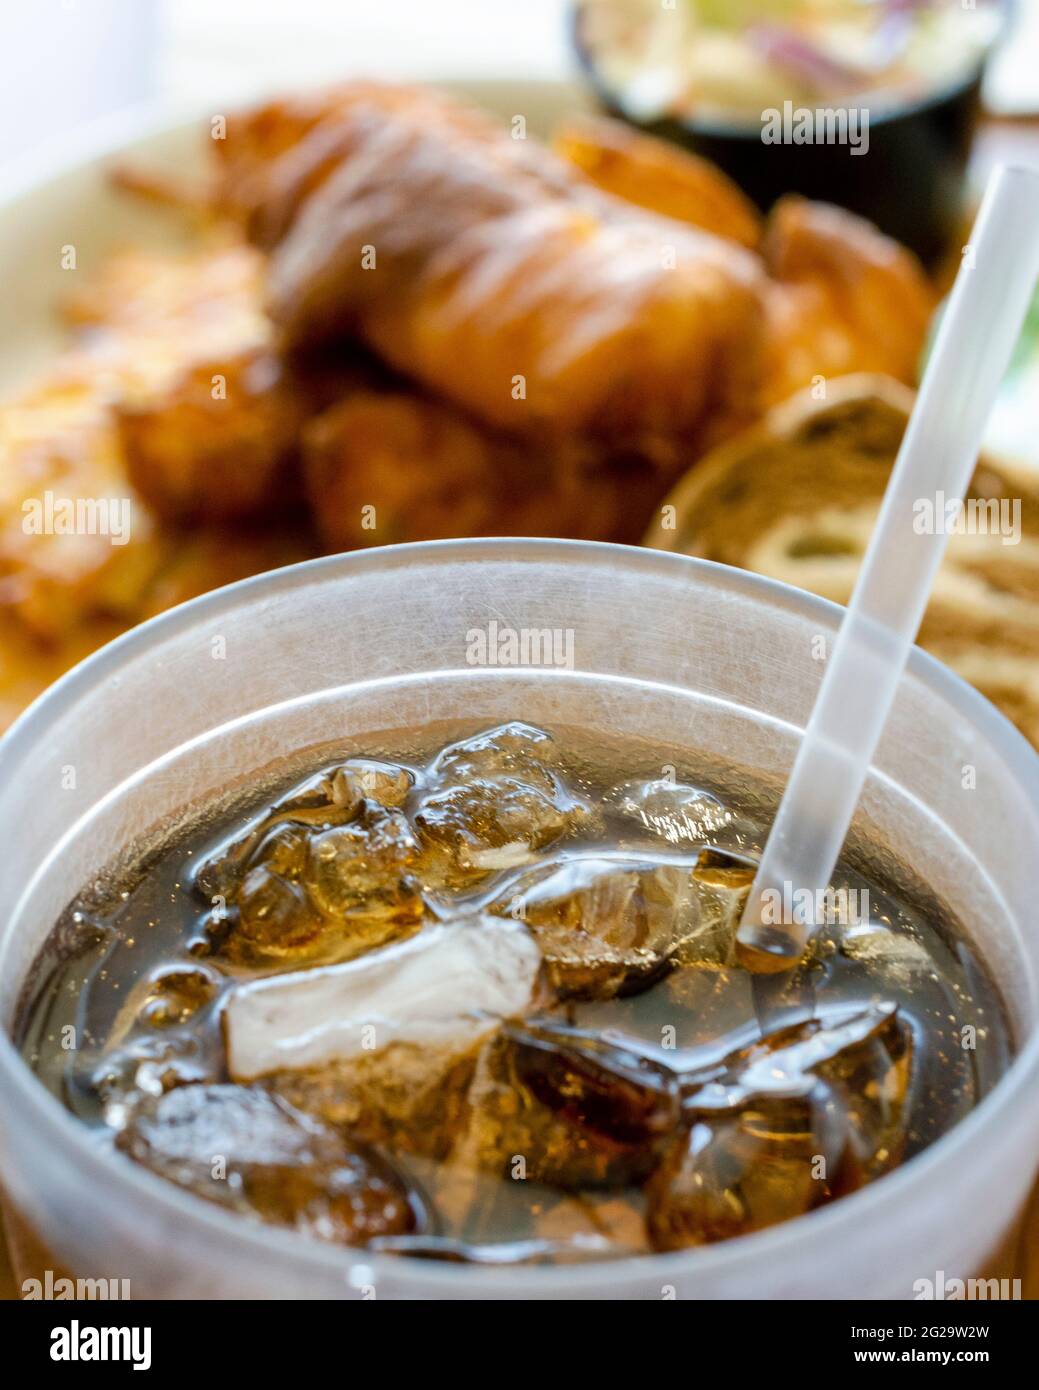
(796, 498)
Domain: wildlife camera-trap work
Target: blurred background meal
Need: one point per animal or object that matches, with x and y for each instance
(293, 279)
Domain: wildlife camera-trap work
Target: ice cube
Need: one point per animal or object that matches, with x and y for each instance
(338, 791)
(332, 797)
(556, 1106)
(804, 1115)
(283, 850)
(594, 1082)
(605, 926)
(722, 882)
(245, 1149)
(364, 866)
(895, 955)
(310, 893)
(484, 1209)
(739, 1172)
(406, 1097)
(149, 1063)
(673, 811)
(443, 987)
(865, 1053)
(613, 926)
(494, 800)
(274, 916)
(483, 825)
(869, 1059)
(174, 994)
(510, 750)
(387, 783)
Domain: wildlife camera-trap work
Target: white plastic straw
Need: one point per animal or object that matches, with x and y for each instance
(971, 353)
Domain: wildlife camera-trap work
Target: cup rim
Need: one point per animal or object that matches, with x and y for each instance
(23, 1098)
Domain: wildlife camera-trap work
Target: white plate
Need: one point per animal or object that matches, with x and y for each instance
(61, 196)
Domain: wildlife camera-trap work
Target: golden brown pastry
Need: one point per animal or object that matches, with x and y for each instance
(387, 468)
(843, 298)
(82, 549)
(216, 441)
(659, 176)
(390, 467)
(493, 274)
(532, 291)
(267, 164)
(75, 540)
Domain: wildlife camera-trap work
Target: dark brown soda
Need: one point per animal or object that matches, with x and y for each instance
(650, 1094)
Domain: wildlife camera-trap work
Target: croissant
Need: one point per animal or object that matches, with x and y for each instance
(492, 272)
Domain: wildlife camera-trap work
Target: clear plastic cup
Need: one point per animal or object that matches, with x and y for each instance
(684, 650)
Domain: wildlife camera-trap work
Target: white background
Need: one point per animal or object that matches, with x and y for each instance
(63, 62)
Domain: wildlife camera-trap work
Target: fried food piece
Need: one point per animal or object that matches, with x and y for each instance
(156, 306)
(208, 412)
(392, 467)
(78, 541)
(206, 422)
(494, 275)
(268, 164)
(147, 318)
(659, 176)
(249, 157)
(503, 280)
(385, 468)
(75, 540)
(845, 298)
(217, 441)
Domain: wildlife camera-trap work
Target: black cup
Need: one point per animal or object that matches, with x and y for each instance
(910, 181)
